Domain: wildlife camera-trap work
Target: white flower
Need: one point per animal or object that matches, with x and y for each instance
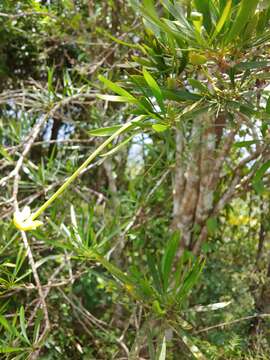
(23, 221)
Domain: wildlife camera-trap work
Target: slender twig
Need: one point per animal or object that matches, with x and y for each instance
(228, 323)
(37, 280)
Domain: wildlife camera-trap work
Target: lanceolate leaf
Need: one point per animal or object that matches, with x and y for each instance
(113, 98)
(249, 65)
(117, 89)
(222, 19)
(9, 349)
(203, 7)
(162, 355)
(196, 84)
(191, 279)
(155, 273)
(257, 180)
(155, 88)
(247, 143)
(22, 324)
(180, 95)
(106, 131)
(246, 11)
(168, 257)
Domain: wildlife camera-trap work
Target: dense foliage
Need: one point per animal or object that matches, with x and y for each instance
(138, 133)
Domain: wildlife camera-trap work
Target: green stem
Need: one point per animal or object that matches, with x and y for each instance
(79, 170)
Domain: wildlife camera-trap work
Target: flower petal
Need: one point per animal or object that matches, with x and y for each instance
(25, 213)
(22, 220)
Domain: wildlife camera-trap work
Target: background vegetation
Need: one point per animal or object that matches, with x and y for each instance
(160, 248)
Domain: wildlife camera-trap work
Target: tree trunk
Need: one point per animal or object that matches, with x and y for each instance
(199, 160)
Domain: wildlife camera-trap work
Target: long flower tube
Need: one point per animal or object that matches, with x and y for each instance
(25, 221)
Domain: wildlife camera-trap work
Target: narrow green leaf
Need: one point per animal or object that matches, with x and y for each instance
(155, 274)
(106, 131)
(22, 324)
(203, 7)
(150, 7)
(249, 65)
(190, 279)
(113, 98)
(246, 11)
(168, 257)
(36, 331)
(9, 349)
(117, 89)
(155, 88)
(196, 84)
(247, 143)
(7, 326)
(168, 27)
(179, 95)
(257, 180)
(143, 287)
(162, 355)
(222, 19)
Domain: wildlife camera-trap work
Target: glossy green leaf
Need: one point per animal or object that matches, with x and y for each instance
(117, 89)
(155, 88)
(222, 19)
